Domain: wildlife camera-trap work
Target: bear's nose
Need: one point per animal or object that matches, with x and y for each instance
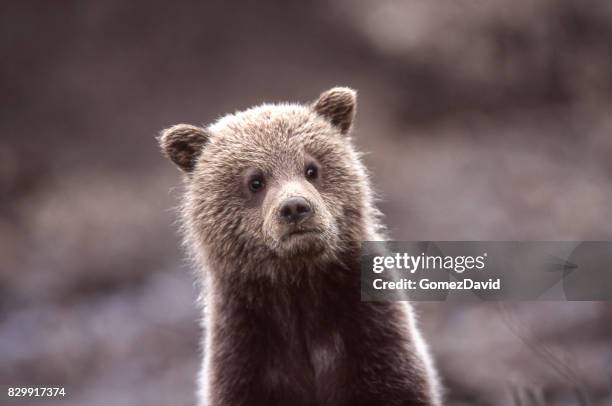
(295, 209)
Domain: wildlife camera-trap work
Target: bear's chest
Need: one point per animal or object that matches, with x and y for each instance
(310, 356)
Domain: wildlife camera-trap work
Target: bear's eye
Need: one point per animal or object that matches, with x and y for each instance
(312, 172)
(256, 184)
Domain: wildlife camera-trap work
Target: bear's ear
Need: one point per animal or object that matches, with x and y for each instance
(338, 106)
(183, 144)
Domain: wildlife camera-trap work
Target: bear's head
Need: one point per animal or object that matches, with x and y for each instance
(275, 182)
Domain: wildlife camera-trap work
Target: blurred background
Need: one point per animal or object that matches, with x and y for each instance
(481, 119)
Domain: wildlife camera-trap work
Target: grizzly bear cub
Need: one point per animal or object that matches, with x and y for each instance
(276, 206)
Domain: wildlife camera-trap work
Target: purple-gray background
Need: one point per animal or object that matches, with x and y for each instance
(481, 119)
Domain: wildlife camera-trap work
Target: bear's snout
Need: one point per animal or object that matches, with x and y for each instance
(296, 219)
(294, 210)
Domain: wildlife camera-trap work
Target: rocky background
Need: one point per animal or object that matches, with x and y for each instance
(482, 120)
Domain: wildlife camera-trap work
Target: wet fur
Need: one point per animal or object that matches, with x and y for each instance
(284, 321)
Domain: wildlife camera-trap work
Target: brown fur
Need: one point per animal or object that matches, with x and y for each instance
(283, 316)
